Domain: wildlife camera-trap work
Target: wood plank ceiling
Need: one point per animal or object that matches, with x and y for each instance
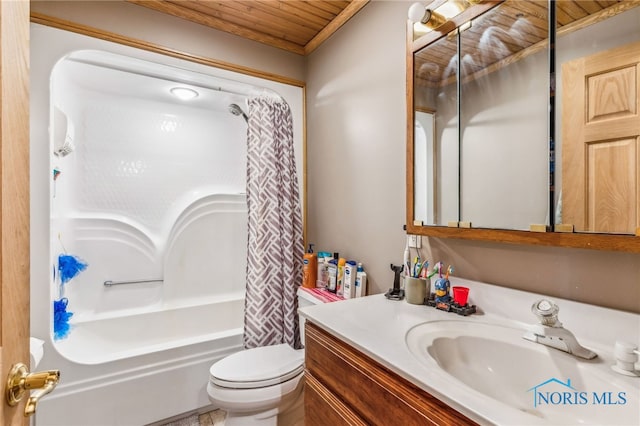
(293, 25)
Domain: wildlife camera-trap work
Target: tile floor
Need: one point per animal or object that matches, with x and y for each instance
(212, 418)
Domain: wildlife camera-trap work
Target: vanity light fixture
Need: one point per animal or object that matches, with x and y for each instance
(427, 17)
(452, 8)
(183, 93)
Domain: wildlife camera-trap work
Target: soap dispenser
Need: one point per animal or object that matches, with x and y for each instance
(309, 268)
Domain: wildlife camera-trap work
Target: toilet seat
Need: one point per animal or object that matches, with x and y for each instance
(258, 367)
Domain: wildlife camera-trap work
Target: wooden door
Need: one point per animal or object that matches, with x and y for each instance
(14, 196)
(601, 141)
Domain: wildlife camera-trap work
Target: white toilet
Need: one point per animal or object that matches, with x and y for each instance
(262, 386)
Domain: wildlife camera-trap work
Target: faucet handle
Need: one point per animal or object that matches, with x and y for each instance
(547, 312)
(626, 355)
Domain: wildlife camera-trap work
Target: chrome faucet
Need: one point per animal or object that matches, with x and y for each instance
(550, 331)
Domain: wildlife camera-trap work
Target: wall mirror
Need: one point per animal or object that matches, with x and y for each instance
(509, 140)
(488, 97)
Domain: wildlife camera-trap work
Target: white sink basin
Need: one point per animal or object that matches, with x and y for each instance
(495, 361)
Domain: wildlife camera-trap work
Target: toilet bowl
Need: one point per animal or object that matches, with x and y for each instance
(262, 386)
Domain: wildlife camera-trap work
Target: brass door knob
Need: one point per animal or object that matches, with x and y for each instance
(20, 381)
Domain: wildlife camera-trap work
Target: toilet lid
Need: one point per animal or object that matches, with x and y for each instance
(258, 367)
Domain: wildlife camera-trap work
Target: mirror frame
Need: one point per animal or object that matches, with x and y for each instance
(609, 242)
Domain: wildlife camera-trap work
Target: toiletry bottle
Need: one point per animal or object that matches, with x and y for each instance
(309, 268)
(361, 282)
(406, 257)
(340, 283)
(349, 285)
(332, 269)
(322, 279)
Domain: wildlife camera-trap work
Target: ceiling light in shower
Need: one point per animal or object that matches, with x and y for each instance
(184, 93)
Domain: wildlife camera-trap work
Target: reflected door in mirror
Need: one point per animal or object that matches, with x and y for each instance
(601, 141)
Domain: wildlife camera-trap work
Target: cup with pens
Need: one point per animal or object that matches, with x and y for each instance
(416, 283)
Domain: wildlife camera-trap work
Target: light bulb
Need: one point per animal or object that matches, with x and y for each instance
(416, 12)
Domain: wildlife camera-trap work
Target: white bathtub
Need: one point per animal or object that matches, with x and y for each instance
(153, 368)
(110, 338)
(139, 367)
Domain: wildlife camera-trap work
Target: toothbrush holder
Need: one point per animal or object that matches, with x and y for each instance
(416, 290)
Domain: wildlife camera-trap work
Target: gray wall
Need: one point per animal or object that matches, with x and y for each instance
(356, 122)
(356, 152)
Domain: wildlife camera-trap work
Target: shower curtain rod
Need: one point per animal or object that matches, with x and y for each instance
(161, 77)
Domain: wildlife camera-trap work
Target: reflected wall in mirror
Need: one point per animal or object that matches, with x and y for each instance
(436, 147)
(504, 110)
(598, 125)
(425, 170)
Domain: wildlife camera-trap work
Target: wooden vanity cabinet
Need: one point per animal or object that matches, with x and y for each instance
(346, 387)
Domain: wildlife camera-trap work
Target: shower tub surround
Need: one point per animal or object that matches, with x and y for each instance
(197, 296)
(148, 191)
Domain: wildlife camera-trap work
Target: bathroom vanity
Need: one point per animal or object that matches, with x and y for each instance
(382, 362)
(346, 387)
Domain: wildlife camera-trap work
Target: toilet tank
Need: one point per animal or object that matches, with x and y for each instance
(305, 299)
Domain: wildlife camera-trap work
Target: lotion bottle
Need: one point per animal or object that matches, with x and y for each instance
(361, 282)
(332, 269)
(340, 282)
(309, 268)
(349, 285)
(322, 280)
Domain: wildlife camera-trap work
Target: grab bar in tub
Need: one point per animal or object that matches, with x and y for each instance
(110, 283)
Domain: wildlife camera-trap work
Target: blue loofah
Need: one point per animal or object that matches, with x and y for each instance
(61, 317)
(69, 267)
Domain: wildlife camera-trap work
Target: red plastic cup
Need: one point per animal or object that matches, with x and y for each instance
(460, 295)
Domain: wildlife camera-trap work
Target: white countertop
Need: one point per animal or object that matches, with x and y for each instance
(377, 327)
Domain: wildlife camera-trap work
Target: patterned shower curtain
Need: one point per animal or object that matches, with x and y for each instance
(275, 247)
